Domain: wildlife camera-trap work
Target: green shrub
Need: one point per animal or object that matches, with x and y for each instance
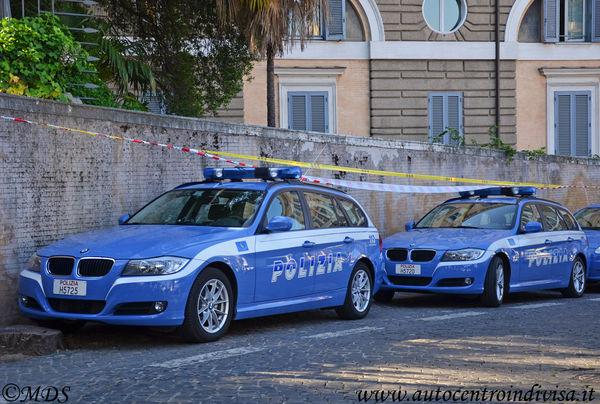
(39, 58)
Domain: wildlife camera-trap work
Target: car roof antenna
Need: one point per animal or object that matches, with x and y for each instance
(315, 160)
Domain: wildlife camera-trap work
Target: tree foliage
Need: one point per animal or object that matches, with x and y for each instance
(270, 26)
(199, 65)
(39, 58)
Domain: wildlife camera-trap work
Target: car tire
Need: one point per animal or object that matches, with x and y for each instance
(384, 296)
(209, 308)
(494, 286)
(358, 294)
(577, 280)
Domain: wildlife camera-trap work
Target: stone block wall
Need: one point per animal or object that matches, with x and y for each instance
(403, 21)
(399, 90)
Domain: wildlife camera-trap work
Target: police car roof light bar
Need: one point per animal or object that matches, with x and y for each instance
(506, 191)
(265, 173)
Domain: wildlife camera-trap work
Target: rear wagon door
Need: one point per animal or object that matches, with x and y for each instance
(333, 241)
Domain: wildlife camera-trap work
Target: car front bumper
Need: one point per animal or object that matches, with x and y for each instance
(108, 303)
(454, 277)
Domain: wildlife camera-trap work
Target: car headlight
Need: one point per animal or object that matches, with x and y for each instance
(35, 263)
(466, 254)
(597, 251)
(154, 266)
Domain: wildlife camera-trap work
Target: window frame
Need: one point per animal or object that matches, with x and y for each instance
(537, 209)
(445, 113)
(365, 217)
(572, 112)
(262, 224)
(572, 80)
(545, 224)
(461, 21)
(551, 21)
(308, 110)
(298, 80)
(333, 199)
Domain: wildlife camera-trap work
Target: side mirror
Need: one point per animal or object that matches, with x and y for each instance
(124, 218)
(532, 227)
(279, 223)
(409, 226)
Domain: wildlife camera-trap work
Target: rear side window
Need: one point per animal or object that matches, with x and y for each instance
(569, 219)
(322, 210)
(287, 204)
(354, 212)
(553, 219)
(529, 214)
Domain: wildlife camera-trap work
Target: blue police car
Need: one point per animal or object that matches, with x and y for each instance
(488, 242)
(203, 254)
(589, 220)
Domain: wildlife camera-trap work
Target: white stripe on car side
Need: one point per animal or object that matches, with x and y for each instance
(229, 248)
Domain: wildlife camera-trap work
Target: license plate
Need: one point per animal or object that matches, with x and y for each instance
(408, 269)
(69, 287)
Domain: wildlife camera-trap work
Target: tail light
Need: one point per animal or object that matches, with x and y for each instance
(380, 244)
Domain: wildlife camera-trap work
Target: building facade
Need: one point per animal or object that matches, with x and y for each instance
(426, 70)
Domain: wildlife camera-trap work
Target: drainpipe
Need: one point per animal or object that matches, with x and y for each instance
(497, 66)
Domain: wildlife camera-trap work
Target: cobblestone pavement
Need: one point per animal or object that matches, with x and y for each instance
(415, 343)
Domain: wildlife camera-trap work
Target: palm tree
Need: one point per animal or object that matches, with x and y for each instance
(271, 26)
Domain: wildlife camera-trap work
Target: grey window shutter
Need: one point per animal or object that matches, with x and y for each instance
(296, 111)
(573, 124)
(595, 20)
(562, 116)
(436, 115)
(454, 118)
(582, 124)
(551, 20)
(318, 113)
(336, 23)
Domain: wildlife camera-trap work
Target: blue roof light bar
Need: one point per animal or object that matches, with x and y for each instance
(265, 173)
(494, 191)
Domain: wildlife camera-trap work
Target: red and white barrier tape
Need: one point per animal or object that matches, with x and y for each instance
(373, 186)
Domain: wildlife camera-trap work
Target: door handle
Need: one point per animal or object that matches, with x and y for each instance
(348, 240)
(569, 239)
(308, 244)
(548, 241)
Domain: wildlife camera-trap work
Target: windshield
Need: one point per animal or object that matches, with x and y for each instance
(589, 218)
(473, 215)
(202, 207)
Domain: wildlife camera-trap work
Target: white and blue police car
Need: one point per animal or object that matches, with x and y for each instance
(488, 242)
(243, 243)
(589, 220)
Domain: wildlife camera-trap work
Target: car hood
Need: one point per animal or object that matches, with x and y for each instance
(142, 241)
(445, 239)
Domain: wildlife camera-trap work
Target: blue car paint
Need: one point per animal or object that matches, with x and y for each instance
(516, 248)
(235, 248)
(593, 270)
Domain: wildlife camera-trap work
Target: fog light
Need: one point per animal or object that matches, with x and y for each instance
(159, 307)
(468, 281)
(24, 300)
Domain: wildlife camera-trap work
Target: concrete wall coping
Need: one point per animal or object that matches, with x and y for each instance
(35, 105)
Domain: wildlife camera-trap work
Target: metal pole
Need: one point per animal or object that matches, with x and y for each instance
(497, 67)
